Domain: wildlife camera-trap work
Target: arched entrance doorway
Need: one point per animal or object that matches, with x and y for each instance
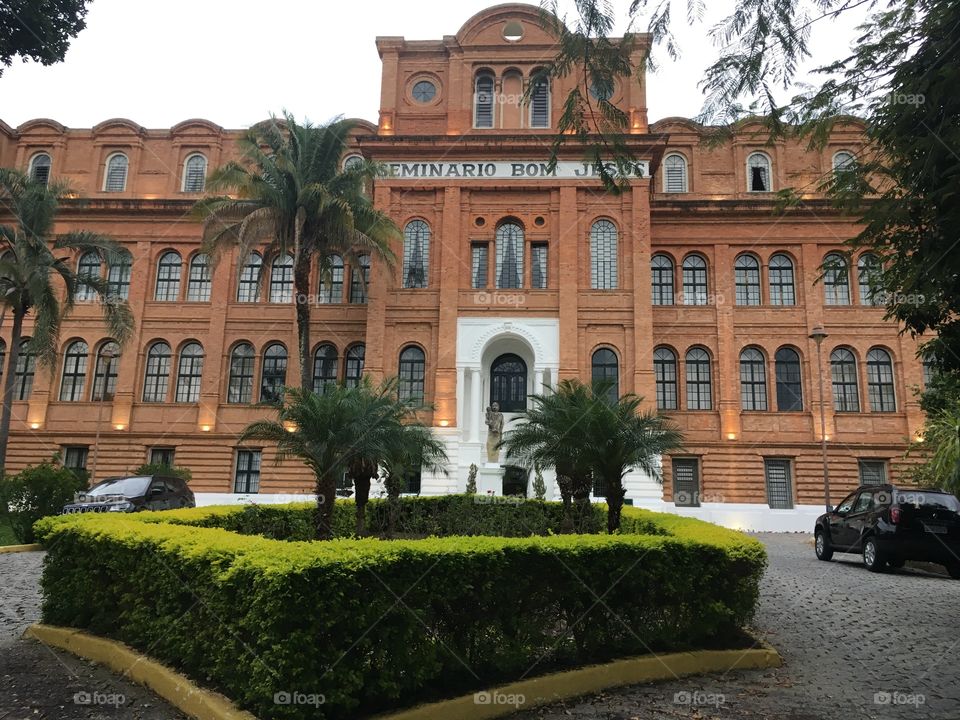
(508, 383)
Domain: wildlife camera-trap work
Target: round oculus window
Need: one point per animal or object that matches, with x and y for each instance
(424, 91)
(513, 31)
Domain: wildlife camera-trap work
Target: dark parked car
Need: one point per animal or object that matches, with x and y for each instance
(889, 525)
(130, 494)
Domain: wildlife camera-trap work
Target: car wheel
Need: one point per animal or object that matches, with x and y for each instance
(954, 570)
(823, 547)
(872, 557)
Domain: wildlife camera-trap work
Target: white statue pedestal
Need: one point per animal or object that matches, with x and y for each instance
(490, 477)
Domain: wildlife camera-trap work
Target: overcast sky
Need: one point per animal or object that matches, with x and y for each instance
(235, 61)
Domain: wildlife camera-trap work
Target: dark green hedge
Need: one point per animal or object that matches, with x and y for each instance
(373, 624)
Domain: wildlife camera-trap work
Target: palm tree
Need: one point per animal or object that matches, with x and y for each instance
(291, 195)
(940, 449)
(412, 448)
(29, 266)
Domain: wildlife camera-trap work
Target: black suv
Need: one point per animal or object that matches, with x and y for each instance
(890, 525)
(130, 494)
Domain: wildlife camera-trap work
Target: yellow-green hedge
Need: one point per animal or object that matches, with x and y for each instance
(371, 624)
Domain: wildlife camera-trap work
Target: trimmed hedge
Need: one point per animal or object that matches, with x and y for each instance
(372, 624)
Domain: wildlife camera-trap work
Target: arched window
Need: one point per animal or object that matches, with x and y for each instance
(87, 267)
(509, 238)
(931, 368)
(843, 371)
(105, 371)
(758, 173)
(413, 366)
(40, 168)
(248, 287)
(194, 173)
(675, 173)
(540, 100)
(353, 365)
(789, 384)
(483, 97)
(836, 280)
(360, 280)
(661, 269)
(782, 291)
(74, 371)
(331, 281)
(416, 254)
(281, 279)
(24, 372)
(168, 277)
(694, 280)
(605, 368)
(273, 373)
(115, 179)
(118, 276)
(868, 278)
(190, 373)
(753, 380)
(200, 282)
(603, 255)
(843, 161)
(157, 376)
(699, 390)
(747, 275)
(880, 381)
(665, 373)
(508, 383)
(324, 368)
(240, 385)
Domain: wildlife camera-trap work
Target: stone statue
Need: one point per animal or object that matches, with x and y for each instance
(494, 432)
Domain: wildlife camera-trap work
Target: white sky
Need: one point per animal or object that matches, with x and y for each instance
(235, 61)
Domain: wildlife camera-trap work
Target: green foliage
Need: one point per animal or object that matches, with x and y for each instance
(539, 486)
(36, 492)
(7, 536)
(255, 616)
(40, 30)
(940, 449)
(160, 469)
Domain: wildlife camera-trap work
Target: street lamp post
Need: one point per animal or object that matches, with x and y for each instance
(818, 335)
(107, 354)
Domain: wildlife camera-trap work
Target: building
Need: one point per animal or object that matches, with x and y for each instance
(686, 289)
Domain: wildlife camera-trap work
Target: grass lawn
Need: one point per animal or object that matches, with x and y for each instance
(6, 533)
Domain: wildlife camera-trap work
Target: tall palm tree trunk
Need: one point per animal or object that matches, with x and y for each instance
(9, 380)
(326, 489)
(362, 497)
(615, 495)
(301, 285)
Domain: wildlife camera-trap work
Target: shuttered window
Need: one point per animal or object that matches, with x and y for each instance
(675, 174)
(194, 174)
(873, 472)
(483, 101)
(116, 178)
(686, 482)
(540, 103)
(779, 491)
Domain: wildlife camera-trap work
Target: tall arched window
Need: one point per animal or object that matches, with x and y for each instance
(843, 161)
(115, 179)
(200, 282)
(281, 279)
(694, 280)
(747, 275)
(540, 101)
(483, 96)
(509, 238)
(24, 372)
(273, 373)
(331, 281)
(74, 371)
(675, 173)
(189, 373)
(753, 380)
(412, 371)
(416, 254)
(665, 373)
(836, 280)
(843, 372)
(868, 278)
(40, 168)
(105, 371)
(353, 365)
(240, 384)
(248, 286)
(168, 277)
(661, 270)
(880, 381)
(87, 267)
(360, 280)
(118, 276)
(699, 390)
(194, 173)
(782, 291)
(758, 173)
(157, 376)
(605, 369)
(789, 383)
(324, 368)
(508, 383)
(603, 255)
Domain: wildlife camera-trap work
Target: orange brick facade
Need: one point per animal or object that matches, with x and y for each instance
(579, 291)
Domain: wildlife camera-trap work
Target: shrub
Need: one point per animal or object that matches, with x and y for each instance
(166, 470)
(35, 492)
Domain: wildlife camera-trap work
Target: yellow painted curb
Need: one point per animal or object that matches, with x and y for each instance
(527, 694)
(176, 689)
(20, 548)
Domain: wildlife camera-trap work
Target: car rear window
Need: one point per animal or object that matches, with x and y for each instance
(130, 486)
(928, 500)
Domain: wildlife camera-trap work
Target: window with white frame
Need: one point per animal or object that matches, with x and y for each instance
(115, 178)
(194, 173)
(758, 173)
(39, 170)
(483, 97)
(675, 173)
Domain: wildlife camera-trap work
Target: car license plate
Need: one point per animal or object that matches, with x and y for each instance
(935, 529)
